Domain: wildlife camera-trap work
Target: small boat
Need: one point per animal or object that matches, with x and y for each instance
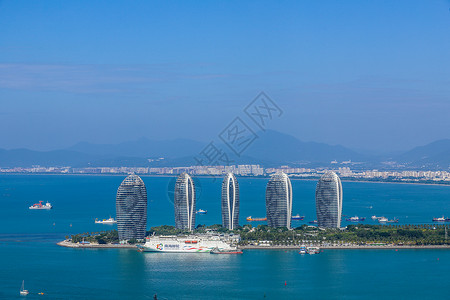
(105, 221)
(313, 250)
(23, 291)
(201, 212)
(355, 219)
(225, 251)
(297, 217)
(41, 206)
(313, 222)
(250, 219)
(302, 249)
(382, 220)
(442, 219)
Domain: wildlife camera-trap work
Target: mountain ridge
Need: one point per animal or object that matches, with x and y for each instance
(271, 148)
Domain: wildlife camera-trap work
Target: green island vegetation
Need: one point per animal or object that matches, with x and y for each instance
(359, 234)
(102, 237)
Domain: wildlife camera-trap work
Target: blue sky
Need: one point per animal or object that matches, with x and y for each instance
(364, 74)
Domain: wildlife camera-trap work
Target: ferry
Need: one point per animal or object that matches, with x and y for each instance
(297, 217)
(201, 212)
(106, 221)
(41, 206)
(382, 219)
(355, 219)
(250, 219)
(187, 244)
(442, 219)
(375, 218)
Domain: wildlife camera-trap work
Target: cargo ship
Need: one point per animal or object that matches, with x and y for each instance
(41, 206)
(250, 219)
(442, 219)
(187, 244)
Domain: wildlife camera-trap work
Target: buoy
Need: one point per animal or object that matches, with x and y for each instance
(285, 283)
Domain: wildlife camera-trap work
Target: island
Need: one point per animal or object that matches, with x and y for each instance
(358, 236)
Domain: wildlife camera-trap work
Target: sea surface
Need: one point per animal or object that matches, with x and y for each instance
(28, 249)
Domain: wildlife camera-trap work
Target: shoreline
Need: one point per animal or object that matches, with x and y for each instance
(354, 247)
(67, 244)
(209, 176)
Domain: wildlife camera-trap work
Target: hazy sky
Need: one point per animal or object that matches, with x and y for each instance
(364, 74)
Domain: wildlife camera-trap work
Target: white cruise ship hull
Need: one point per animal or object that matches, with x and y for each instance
(43, 207)
(176, 245)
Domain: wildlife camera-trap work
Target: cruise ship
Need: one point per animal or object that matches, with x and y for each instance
(189, 244)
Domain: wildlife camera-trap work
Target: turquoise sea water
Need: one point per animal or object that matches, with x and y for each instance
(28, 251)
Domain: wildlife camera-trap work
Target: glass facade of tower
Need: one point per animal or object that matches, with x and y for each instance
(184, 202)
(230, 202)
(279, 201)
(329, 201)
(131, 208)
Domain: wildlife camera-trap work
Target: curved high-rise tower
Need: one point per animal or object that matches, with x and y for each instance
(131, 208)
(230, 202)
(279, 201)
(329, 200)
(184, 202)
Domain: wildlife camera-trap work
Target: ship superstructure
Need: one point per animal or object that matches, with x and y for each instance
(190, 243)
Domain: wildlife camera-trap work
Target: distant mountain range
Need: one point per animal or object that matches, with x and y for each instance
(272, 148)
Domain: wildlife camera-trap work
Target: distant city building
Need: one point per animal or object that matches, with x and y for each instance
(329, 200)
(279, 201)
(184, 202)
(131, 208)
(230, 202)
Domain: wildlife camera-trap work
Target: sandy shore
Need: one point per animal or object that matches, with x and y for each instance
(95, 246)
